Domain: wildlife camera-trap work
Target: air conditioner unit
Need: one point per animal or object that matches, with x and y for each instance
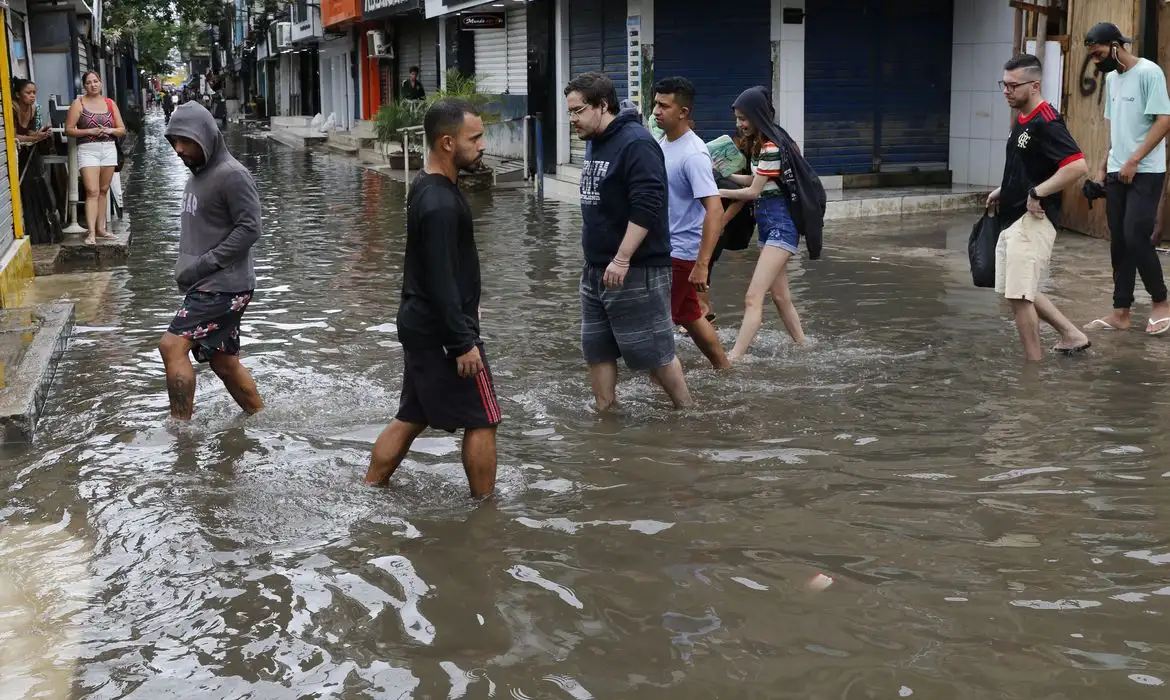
(284, 35)
(379, 43)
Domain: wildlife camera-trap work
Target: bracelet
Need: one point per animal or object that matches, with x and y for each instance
(620, 263)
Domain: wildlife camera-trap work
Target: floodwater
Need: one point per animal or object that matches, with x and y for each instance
(991, 531)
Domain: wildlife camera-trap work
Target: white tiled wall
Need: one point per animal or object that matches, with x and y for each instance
(788, 94)
(980, 118)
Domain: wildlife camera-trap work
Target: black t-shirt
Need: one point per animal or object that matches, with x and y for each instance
(1039, 146)
(440, 276)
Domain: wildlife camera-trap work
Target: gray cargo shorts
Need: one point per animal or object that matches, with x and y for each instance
(632, 323)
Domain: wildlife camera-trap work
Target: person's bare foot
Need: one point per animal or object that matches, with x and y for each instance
(105, 234)
(90, 240)
(1159, 322)
(735, 357)
(1072, 342)
(1119, 320)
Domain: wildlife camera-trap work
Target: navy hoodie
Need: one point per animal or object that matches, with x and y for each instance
(623, 179)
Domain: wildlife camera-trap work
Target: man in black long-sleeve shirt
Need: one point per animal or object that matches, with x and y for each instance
(446, 381)
(625, 234)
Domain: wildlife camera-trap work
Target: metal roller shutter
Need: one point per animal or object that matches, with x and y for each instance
(7, 231)
(734, 54)
(840, 105)
(914, 130)
(501, 55)
(597, 42)
(518, 51)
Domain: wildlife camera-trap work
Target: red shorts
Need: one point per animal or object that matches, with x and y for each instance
(684, 300)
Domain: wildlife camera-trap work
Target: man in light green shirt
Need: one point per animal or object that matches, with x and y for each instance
(1134, 173)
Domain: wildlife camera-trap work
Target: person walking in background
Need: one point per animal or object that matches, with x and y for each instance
(41, 221)
(625, 234)
(95, 122)
(695, 213)
(220, 224)
(773, 188)
(412, 87)
(1042, 161)
(1137, 107)
(446, 381)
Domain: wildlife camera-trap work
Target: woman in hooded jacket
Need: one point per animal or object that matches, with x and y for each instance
(769, 186)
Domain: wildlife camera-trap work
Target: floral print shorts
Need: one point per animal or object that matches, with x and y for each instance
(212, 321)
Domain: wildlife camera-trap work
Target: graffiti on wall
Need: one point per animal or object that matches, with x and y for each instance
(1092, 80)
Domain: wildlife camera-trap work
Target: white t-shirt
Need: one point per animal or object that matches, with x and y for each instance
(690, 177)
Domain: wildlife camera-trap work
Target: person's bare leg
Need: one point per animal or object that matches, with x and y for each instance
(782, 298)
(1071, 337)
(175, 351)
(705, 303)
(603, 377)
(672, 380)
(771, 261)
(707, 340)
(390, 449)
(479, 461)
(91, 180)
(105, 177)
(239, 383)
(1028, 324)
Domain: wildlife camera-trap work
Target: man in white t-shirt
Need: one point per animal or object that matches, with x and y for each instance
(695, 211)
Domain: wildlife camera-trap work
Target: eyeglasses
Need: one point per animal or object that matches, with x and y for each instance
(576, 112)
(1012, 87)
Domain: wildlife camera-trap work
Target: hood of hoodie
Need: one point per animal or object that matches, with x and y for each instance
(193, 121)
(756, 105)
(619, 122)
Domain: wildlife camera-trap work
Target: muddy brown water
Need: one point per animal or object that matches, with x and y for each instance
(992, 531)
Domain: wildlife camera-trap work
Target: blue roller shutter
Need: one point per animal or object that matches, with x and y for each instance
(840, 101)
(721, 52)
(873, 103)
(597, 42)
(915, 94)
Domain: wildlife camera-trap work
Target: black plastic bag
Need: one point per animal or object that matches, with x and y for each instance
(981, 250)
(738, 234)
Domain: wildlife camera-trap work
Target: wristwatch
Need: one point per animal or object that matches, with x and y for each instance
(1033, 195)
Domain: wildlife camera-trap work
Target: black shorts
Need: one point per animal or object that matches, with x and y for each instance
(433, 393)
(212, 321)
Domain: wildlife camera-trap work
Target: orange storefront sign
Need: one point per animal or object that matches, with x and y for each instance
(338, 11)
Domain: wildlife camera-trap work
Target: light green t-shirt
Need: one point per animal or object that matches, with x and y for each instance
(1133, 100)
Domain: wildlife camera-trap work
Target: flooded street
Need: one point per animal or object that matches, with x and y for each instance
(992, 531)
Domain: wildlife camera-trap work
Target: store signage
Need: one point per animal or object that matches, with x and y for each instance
(482, 20)
(369, 6)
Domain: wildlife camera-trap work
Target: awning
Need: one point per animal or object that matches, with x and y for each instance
(381, 9)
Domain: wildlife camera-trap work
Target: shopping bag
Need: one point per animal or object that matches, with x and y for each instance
(981, 250)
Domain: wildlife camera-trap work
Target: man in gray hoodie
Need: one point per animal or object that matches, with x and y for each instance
(221, 222)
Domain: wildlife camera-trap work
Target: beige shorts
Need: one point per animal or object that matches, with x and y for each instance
(1022, 256)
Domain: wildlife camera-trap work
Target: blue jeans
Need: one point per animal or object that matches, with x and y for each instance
(775, 225)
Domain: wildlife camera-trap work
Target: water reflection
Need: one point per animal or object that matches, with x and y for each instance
(989, 532)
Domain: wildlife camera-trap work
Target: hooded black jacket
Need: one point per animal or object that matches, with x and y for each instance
(806, 195)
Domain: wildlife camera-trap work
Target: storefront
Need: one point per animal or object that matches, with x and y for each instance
(378, 50)
(733, 55)
(305, 69)
(16, 265)
(597, 42)
(338, 87)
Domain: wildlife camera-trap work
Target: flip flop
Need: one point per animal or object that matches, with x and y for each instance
(1072, 351)
(1155, 324)
(106, 234)
(711, 317)
(1099, 324)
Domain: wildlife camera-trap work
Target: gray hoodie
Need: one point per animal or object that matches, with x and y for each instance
(221, 211)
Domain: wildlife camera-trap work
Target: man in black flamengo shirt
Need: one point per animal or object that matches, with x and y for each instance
(446, 381)
(1042, 160)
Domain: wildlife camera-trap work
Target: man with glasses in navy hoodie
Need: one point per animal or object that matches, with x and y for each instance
(625, 234)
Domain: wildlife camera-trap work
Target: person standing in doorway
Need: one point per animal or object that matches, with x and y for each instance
(95, 122)
(1137, 107)
(220, 224)
(625, 234)
(412, 87)
(446, 382)
(1042, 161)
(695, 213)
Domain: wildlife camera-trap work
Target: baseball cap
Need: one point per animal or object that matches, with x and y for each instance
(1105, 33)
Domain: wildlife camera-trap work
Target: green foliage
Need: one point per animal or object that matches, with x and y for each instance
(392, 118)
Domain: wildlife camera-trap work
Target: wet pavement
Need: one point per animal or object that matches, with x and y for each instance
(992, 530)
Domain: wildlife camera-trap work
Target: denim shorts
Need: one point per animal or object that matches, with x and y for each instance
(775, 225)
(632, 323)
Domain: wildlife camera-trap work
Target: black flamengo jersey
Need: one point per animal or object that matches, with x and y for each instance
(1039, 146)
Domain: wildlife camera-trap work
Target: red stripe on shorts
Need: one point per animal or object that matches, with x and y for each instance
(488, 396)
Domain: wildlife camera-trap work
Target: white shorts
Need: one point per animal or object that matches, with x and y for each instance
(1022, 256)
(100, 154)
